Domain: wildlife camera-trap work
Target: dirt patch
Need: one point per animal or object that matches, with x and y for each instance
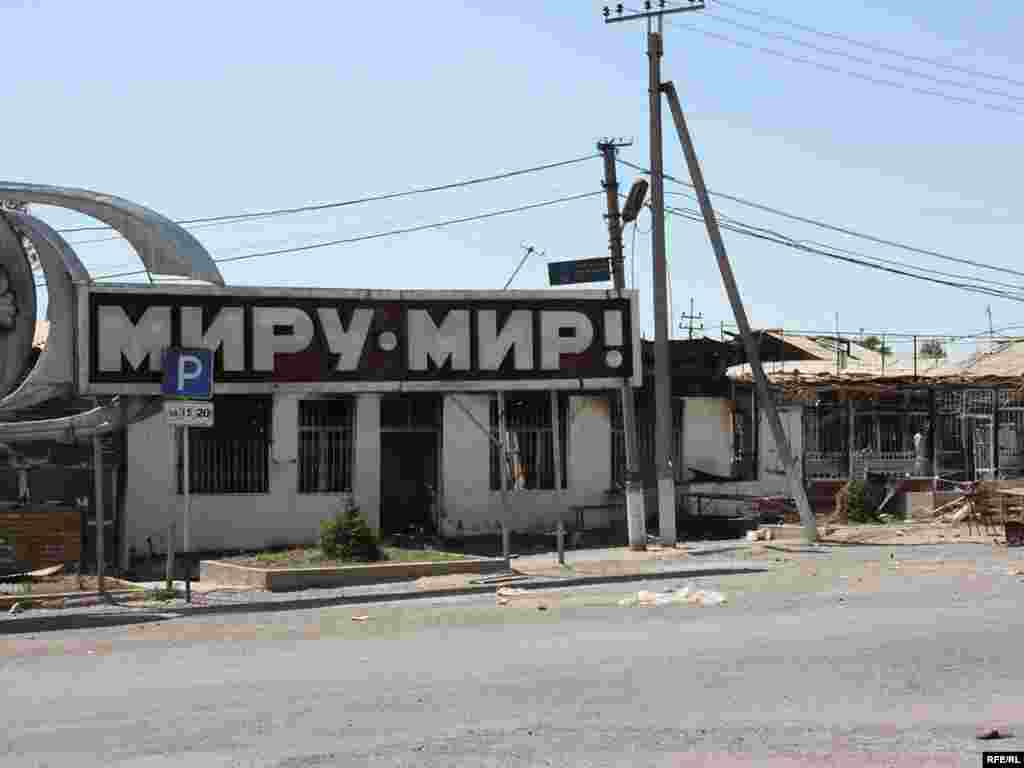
(910, 534)
(454, 581)
(56, 585)
(312, 558)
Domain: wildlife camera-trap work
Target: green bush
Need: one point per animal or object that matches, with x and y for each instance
(857, 510)
(347, 536)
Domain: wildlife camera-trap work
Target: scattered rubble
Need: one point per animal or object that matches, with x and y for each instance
(680, 596)
(995, 733)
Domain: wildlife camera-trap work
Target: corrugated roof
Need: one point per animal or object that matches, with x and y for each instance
(820, 359)
(864, 370)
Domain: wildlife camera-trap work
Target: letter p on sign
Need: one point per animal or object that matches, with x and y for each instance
(188, 374)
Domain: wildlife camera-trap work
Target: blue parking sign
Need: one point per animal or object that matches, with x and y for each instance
(188, 374)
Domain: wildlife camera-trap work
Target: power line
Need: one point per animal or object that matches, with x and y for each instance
(377, 235)
(774, 233)
(862, 59)
(835, 228)
(696, 216)
(848, 73)
(356, 201)
(872, 46)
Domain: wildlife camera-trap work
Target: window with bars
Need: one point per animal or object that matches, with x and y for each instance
(529, 440)
(232, 456)
(326, 443)
(645, 422)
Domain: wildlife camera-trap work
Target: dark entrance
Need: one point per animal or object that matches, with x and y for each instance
(410, 449)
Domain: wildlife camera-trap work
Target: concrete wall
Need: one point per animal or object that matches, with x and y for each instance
(250, 520)
(467, 496)
(771, 475)
(708, 434)
(283, 516)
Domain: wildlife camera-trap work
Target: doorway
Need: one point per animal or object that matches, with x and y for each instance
(981, 447)
(410, 452)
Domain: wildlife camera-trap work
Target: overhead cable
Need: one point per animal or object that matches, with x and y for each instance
(232, 218)
(377, 235)
(834, 227)
(872, 46)
(847, 72)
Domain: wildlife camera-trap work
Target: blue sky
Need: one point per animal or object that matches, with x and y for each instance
(200, 109)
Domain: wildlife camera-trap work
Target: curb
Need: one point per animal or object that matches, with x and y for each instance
(76, 621)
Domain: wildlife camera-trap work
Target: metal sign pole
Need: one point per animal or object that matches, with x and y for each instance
(97, 466)
(187, 537)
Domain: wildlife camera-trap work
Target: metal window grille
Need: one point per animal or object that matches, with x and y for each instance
(949, 401)
(979, 401)
(530, 441)
(645, 421)
(233, 456)
(326, 443)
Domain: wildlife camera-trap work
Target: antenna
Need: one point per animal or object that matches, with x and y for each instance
(528, 251)
(690, 318)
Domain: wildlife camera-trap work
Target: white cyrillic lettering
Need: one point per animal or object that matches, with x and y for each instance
(266, 344)
(553, 345)
(449, 342)
(135, 341)
(346, 343)
(494, 347)
(227, 331)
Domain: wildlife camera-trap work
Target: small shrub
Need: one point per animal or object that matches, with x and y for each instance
(857, 510)
(347, 536)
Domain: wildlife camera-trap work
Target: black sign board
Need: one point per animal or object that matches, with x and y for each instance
(579, 271)
(345, 340)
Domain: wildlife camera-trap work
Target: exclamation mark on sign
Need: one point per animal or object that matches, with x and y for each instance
(613, 337)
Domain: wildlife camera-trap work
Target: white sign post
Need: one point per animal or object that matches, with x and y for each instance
(188, 382)
(185, 415)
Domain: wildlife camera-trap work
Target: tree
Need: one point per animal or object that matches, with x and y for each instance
(931, 349)
(875, 345)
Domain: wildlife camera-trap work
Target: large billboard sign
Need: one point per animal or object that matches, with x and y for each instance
(267, 340)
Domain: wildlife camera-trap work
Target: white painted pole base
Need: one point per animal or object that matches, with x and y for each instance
(636, 519)
(667, 511)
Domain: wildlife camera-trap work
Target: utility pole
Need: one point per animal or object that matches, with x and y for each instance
(636, 519)
(793, 468)
(662, 385)
(689, 321)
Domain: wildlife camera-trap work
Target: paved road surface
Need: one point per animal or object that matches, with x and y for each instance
(854, 657)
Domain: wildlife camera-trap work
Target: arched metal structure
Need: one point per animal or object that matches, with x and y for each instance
(164, 247)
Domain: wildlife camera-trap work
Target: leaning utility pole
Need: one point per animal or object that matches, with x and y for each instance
(664, 420)
(636, 520)
(793, 473)
(666, 484)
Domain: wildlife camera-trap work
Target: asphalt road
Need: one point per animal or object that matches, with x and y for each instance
(869, 656)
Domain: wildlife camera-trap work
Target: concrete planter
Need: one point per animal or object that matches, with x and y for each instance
(286, 579)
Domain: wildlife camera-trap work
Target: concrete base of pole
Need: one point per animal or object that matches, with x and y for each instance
(667, 511)
(636, 519)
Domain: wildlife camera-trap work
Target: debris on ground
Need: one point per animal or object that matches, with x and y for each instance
(524, 598)
(360, 618)
(680, 596)
(995, 733)
(960, 514)
(16, 608)
(761, 534)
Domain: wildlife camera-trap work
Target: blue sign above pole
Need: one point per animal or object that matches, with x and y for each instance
(188, 374)
(579, 271)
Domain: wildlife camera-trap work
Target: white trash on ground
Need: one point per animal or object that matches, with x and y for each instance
(679, 596)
